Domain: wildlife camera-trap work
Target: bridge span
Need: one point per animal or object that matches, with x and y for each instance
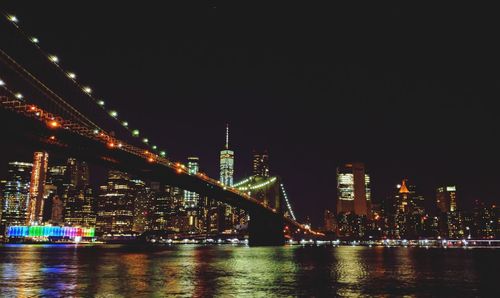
(55, 115)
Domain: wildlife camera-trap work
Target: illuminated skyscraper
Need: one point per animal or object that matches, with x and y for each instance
(227, 162)
(353, 189)
(446, 198)
(75, 191)
(261, 164)
(143, 201)
(15, 193)
(115, 207)
(37, 186)
(191, 198)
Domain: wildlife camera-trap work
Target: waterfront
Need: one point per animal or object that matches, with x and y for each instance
(239, 271)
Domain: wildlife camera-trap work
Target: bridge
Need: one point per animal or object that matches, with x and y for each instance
(47, 108)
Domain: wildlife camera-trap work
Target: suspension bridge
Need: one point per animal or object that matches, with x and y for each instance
(48, 108)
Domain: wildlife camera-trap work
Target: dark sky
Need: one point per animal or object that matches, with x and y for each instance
(411, 91)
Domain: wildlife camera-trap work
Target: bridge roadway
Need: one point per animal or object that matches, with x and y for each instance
(37, 129)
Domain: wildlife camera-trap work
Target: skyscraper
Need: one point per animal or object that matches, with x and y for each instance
(260, 165)
(227, 162)
(191, 198)
(75, 192)
(143, 198)
(446, 198)
(353, 189)
(115, 208)
(37, 186)
(15, 193)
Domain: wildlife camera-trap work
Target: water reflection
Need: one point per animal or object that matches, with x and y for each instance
(201, 271)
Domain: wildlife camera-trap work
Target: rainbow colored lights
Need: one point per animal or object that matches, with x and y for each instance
(49, 231)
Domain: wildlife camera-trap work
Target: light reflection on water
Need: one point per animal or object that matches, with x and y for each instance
(189, 270)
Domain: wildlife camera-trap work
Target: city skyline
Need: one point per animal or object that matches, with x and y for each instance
(246, 149)
(314, 145)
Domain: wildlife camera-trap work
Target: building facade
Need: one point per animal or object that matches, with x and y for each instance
(15, 194)
(115, 207)
(37, 188)
(260, 165)
(446, 198)
(353, 189)
(227, 163)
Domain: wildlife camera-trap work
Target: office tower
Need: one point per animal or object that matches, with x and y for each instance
(446, 198)
(15, 193)
(115, 206)
(167, 201)
(227, 163)
(143, 199)
(353, 189)
(260, 164)
(37, 187)
(330, 222)
(76, 193)
(191, 198)
(56, 215)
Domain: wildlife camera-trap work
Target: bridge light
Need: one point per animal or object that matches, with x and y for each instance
(71, 75)
(96, 131)
(120, 145)
(163, 153)
(54, 124)
(54, 58)
(100, 102)
(135, 132)
(125, 123)
(154, 147)
(32, 108)
(12, 18)
(87, 89)
(151, 159)
(52, 138)
(19, 96)
(2, 83)
(179, 170)
(111, 145)
(113, 114)
(34, 40)
(145, 140)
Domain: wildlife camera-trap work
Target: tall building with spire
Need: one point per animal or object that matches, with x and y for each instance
(227, 162)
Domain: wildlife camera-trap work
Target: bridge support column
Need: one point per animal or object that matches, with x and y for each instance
(266, 230)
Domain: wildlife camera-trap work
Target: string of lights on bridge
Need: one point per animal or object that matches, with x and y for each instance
(55, 122)
(263, 184)
(87, 90)
(257, 186)
(287, 201)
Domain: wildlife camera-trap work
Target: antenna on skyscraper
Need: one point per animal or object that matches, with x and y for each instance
(227, 135)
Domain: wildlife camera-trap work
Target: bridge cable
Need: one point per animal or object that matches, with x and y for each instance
(72, 77)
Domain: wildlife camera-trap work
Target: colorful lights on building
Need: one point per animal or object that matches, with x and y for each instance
(49, 231)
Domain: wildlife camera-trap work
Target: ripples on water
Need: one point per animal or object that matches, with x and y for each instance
(239, 271)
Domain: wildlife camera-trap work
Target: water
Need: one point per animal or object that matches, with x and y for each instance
(239, 271)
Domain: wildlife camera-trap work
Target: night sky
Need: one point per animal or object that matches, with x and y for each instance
(411, 91)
